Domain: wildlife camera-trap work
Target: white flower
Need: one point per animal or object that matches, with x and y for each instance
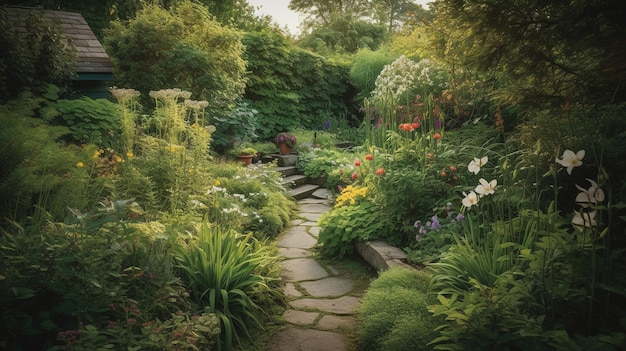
(476, 163)
(485, 188)
(591, 196)
(584, 219)
(470, 199)
(571, 159)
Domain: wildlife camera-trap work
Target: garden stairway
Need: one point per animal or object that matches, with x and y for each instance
(299, 185)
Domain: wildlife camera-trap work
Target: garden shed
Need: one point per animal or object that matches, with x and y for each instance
(94, 70)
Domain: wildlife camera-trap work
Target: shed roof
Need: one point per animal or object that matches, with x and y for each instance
(91, 57)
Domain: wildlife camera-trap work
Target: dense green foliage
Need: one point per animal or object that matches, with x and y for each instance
(32, 59)
(181, 47)
(291, 87)
(393, 314)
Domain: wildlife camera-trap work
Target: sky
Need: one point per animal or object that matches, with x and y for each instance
(279, 10)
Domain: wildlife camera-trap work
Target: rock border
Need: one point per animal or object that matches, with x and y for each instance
(381, 256)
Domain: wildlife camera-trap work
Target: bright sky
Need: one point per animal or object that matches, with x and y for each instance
(279, 10)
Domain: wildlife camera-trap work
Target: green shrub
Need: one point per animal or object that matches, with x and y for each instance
(366, 67)
(393, 314)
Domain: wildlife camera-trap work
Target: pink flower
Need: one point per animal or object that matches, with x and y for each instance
(354, 175)
(437, 136)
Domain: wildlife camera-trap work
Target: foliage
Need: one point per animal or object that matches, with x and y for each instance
(32, 59)
(361, 220)
(344, 35)
(239, 125)
(291, 87)
(225, 273)
(90, 121)
(58, 276)
(393, 313)
(181, 47)
(285, 138)
(366, 68)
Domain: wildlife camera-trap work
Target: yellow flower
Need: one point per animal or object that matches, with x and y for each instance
(172, 148)
(117, 158)
(217, 182)
(190, 170)
(80, 165)
(130, 155)
(96, 154)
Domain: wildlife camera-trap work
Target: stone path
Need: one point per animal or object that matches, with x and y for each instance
(320, 305)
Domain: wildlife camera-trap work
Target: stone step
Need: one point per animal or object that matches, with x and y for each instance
(303, 191)
(286, 171)
(295, 180)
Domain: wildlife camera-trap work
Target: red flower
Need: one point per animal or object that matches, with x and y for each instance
(430, 155)
(437, 136)
(354, 175)
(415, 125)
(357, 163)
(453, 168)
(406, 127)
(369, 157)
(443, 174)
(380, 172)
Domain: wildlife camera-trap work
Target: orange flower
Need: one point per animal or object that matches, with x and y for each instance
(354, 175)
(357, 163)
(380, 172)
(437, 136)
(453, 168)
(430, 155)
(406, 127)
(415, 125)
(369, 157)
(443, 174)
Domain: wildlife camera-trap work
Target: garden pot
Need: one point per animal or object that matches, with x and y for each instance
(284, 149)
(245, 159)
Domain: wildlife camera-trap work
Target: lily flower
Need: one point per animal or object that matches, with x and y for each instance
(476, 163)
(470, 199)
(571, 159)
(485, 188)
(591, 196)
(584, 219)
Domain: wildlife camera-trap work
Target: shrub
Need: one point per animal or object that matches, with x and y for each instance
(393, 314)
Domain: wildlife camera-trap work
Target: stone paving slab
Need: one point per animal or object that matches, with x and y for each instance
(315, 231)
(330, 322)
(310, 216)
(290, 291)
(314, 208)
(309, 224)
(293, 252)
(294, 339)
(300, 317)
(327, 287)
(297, 237)
(342, 305)
(311, 200)
(302, 269)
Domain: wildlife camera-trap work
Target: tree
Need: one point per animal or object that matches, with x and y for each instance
(547, 52)
(180, 48)
(322, 12)
(393, 13)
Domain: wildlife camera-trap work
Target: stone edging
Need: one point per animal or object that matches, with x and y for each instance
(381, 255)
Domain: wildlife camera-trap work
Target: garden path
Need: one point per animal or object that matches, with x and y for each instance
(321, 298)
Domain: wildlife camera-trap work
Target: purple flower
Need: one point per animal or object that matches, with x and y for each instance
(417, 224)
(435, 225)
(460, 217)
(417, 237)
(438, 124)
(328, 124)
(422, 230)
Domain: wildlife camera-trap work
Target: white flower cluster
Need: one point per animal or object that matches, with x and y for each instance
(484, 187)
(170, 94)
(123, 95)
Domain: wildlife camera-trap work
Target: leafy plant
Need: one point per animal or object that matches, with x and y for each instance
(224, 272)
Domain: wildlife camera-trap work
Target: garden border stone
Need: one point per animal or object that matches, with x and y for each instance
(381, 255)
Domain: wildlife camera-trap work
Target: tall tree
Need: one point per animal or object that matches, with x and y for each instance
(323, 11)
(393, 13)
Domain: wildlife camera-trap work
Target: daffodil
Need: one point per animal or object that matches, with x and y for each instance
(584, 220)
(486, 188)
(591, 196)
(571, 159)
(476, 163)
(470, 199)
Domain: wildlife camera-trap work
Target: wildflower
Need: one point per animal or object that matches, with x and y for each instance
(357, 163)
(354, 175)
(217, 182)
(437, 136)
(430, 155)
(453, 168)
(369, 157)
(443, 174)
(415, 125)
(460, 217)
(591, 196)
(571, 159)
(476, 163)
(470, 199)
(130, 155)
(80, 165)
(380, 172)
(435, 225)
(584, 219)
(417, 223)
(485, 188)
(96, 154)
(408, 127)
